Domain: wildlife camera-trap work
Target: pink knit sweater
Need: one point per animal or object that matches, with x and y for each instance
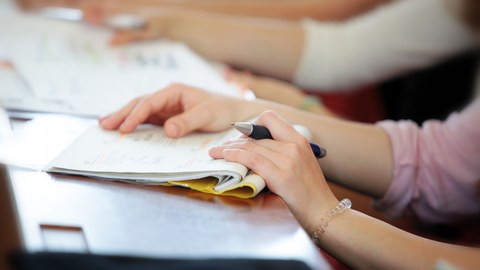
(437, 167)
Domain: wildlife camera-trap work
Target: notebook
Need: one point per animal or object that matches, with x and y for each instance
(147, 156)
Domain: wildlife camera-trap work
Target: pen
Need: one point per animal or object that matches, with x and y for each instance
(258, 132)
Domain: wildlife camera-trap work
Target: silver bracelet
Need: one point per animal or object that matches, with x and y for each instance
(335, 211)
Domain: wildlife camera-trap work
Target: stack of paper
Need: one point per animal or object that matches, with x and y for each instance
(148, 156)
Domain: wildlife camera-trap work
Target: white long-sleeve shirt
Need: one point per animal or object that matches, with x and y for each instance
(394, 39)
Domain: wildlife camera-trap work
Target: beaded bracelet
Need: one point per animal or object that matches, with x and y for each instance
(335, 211)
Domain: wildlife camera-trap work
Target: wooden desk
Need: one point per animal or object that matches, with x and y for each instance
(52, 212)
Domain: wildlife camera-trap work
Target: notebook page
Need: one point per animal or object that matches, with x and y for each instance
(144, 154)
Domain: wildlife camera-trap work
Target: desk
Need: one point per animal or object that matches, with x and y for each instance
(52, 212)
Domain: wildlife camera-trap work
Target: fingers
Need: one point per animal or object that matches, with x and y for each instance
(140, 109)
(114, 120)
(147, 106)
(292, 141)
(198, 117)
(243, 78)
(280, 129)
(264, 162)
(182, 109)
(153, 28)
(244, 144)
(257, 162)
(122, 37)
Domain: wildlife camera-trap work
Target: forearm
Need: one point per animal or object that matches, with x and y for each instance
(354, 238)
(284, 9)
(264, 46)
(363, 242)
(359, 155)
(393, 40)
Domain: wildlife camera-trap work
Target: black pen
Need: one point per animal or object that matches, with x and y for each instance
(258, 132)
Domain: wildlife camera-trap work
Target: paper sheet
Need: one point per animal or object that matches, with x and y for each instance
(72, 66)
(145, 155)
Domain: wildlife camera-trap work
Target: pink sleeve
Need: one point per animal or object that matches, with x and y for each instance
(437, 167)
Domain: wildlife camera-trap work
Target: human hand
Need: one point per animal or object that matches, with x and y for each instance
(181, 109)
(276, 90)
(287, 165)
(96, 12)
(157, 20)
(170, 23)
(265, 87)
(38, 4)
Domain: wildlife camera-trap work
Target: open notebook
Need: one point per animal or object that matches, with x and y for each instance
(147, 156)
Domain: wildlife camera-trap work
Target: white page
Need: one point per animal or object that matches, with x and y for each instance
(145, 154)
(71, 64)
(16, 95)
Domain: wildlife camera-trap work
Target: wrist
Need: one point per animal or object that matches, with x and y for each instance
(184, 24)
(251, 108)
(321, 222)
(309, 208)
(316, 210)
(168, 23)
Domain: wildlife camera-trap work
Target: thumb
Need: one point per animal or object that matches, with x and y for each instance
(199, 117)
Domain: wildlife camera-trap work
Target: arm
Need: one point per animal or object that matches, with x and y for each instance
(192, 109)
(363, 242)
(262, 45)
(359, 153)
(395, 39)
(437, 167)
(282, 9)
(354, 238)
(276, 90)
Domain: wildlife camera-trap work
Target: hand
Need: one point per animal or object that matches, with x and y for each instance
(170, 23)
(181, 109)
(275, 90)
(38, 4)
(266, 87)
(158, 20)
(156, 26)
(287, 165)
(96, 12)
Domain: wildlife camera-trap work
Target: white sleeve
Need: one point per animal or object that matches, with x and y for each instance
(389, 41)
